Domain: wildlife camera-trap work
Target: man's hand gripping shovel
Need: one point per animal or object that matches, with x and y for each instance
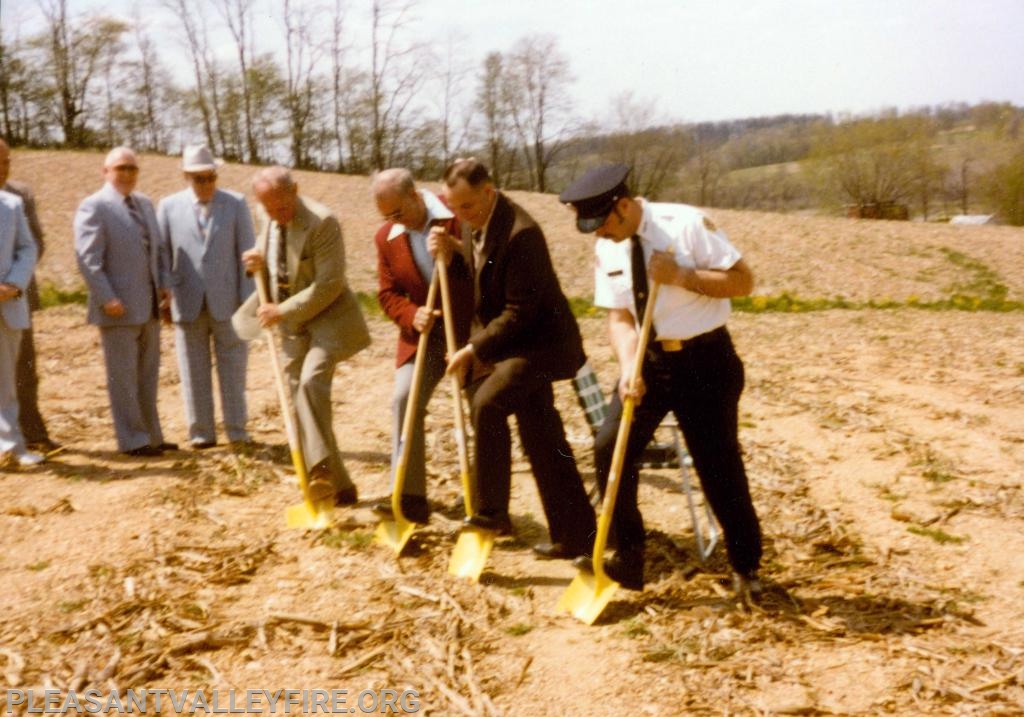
(473, 546)
(589, 593)
(396, 532)
(306, 514)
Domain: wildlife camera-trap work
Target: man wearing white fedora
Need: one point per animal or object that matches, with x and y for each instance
(203, 232)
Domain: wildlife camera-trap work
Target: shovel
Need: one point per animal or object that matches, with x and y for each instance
(589, 594)
(397, 531)
(474, 544)
(306, 514)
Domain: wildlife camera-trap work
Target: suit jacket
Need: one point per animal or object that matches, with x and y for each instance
(519, 302)
(403, 288)
(322, 303)
(22, 190)
(113, 259)
(18, 255)
(195, 264)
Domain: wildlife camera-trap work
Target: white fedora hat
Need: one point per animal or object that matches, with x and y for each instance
(198, 158)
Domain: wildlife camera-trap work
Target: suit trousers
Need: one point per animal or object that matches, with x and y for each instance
(11, 438)
(433, 371)
(310, 371)
(701, 385)
(195, 363)
(519, 387)
(132, 355)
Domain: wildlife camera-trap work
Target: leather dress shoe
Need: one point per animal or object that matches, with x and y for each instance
(624, 567)
(202, 445)
(557, 551)
(143, 452)
(500, 524)
(414, 508)
(346, 496)
(320, 489)
(168, 446)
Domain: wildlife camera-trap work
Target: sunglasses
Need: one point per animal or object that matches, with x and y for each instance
(126, 168)
(204, 178)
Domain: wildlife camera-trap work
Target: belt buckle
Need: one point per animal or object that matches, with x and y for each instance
(671, 345)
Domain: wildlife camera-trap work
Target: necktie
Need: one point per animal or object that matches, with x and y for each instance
(639, 278)
(283, 287)
(203, 215)
(133, 209)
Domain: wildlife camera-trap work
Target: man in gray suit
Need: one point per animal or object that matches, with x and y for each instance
(33, 428)
(300, 245)
(117, 244)
(17, 261)
(203, 233)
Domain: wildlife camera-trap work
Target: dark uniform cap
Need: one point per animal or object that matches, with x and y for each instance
(593, 195)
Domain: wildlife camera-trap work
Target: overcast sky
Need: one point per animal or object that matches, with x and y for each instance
(726, 59)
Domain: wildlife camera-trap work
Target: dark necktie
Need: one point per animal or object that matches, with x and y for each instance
(639, 278)
(283, 287)
(133, 209)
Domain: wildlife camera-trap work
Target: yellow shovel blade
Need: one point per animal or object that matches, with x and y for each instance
(587, 596)
(471, 552)
(307, 516)
(394, 533)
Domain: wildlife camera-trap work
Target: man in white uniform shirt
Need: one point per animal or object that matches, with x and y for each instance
(690, 366)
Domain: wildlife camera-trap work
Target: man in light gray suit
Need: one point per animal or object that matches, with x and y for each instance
(117, 244)
(203, 233)
(18, 257)
(300, 245)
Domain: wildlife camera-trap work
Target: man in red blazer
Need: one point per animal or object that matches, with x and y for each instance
(404, 267)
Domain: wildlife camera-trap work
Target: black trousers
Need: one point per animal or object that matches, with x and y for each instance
(27, 380)
(519, 387)
(701, 385)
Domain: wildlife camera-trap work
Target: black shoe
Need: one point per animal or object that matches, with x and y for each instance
(625, 568)
(414, 508)
(346, 496)
(167, 446)
(199, 445)
(143, 452)
(557, 551)
(500, 524)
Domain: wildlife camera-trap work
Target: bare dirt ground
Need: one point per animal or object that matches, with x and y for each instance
(885, 450)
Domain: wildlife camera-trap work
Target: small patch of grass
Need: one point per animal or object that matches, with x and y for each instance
(41, 565)
(663, 654)
(885, 493)
(936, 475)
(519, 629)
(937, 534)
(50, 295)
(69, 606)
(636, 628)
(347, 538)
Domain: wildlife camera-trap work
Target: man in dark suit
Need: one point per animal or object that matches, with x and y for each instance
(117, 244)
(33, 428)
(524, 338)
(203, 234)
(404, 270)
(300, 245)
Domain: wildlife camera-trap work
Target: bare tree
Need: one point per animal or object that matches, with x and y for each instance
(394, 77)
(75, 51)
(537, 81)
(653, 155)
(237, 16)
(497, 129)
(452, 129)
(301, 57)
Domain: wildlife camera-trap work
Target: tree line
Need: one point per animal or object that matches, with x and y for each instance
(313, 89)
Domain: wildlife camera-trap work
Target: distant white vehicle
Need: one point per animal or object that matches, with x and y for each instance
(973, 219)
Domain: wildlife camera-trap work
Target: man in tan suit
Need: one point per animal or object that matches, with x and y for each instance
(299, 245)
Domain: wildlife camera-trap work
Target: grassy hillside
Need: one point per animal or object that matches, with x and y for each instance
(814, 258)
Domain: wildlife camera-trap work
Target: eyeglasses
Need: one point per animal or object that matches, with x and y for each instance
(126, 168)
(203, 178)
(393, 216)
